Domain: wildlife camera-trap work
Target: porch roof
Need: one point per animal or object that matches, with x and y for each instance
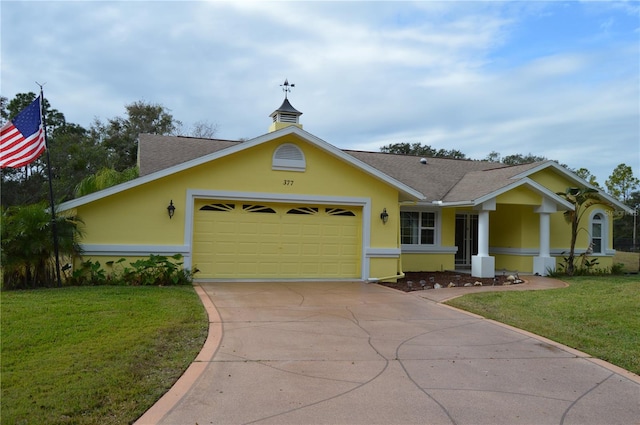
(434, 179)
(478, 184)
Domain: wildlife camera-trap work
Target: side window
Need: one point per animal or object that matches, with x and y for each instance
(428, 228)
(597, 233)
(409, 227)
(417, 228)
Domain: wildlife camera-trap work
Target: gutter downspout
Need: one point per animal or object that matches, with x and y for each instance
(380, 279)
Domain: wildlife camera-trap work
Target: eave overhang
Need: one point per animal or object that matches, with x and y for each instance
(407, 193)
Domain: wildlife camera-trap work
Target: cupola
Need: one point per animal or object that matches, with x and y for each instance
(286, 114)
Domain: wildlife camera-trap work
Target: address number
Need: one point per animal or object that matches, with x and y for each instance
(287, 182)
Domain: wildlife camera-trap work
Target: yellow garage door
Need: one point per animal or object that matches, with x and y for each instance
(252, 240)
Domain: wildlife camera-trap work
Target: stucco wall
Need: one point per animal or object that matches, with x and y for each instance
(138, 216)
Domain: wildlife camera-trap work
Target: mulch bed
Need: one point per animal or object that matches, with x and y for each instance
(419, 281)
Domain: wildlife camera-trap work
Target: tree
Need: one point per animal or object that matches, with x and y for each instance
(586, 175)
(203, 130)
(625, 225)
(518, 159)
(73, 155)
(4, 113)
(9, 110)
(622, 182)
(582, 199)
(103, 179)
(418, 149)
(493, 156)
(120, 135)
(515, 159)
(27, 245)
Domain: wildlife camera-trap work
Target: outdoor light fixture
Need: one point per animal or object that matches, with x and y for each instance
(384, 216)
(171, 209)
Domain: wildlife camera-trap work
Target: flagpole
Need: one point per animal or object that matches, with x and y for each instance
(54, 227)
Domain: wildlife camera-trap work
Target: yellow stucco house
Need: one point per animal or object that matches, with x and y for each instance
(288, 205)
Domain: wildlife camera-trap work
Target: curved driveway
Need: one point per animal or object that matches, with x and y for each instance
(357, 353)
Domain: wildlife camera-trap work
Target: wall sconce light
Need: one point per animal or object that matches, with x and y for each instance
(384, 216)
(171, 209)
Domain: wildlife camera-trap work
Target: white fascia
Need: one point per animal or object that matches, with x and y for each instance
(577, 180)
(536, 187)
(327, 147)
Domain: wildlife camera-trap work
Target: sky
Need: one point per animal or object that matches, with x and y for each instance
(556, 79)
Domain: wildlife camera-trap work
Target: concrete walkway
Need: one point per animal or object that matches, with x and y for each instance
(357, 353)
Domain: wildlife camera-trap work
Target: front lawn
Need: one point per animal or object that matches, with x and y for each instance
(94, 355)
(596, 315)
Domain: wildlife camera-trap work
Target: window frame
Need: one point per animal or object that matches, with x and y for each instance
(418, 231)
(599, 217)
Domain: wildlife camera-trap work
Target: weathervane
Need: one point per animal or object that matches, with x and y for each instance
(286, 87)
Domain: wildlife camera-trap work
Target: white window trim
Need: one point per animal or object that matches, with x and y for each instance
(437, 229)
(604, 230)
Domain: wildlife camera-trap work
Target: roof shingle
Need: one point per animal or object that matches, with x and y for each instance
(156, 152)
(439, 179)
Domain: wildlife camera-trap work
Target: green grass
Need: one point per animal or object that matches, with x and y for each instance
(94, 355)
(596, 315)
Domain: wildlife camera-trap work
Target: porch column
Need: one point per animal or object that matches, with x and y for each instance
(545, 221)
(544, 262)
(483, 265)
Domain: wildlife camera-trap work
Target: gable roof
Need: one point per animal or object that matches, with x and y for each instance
(220, 151)
(478, 184)
(442, 181)
(433, 179)
(539, 166)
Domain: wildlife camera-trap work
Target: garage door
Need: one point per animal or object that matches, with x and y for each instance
(245, 240)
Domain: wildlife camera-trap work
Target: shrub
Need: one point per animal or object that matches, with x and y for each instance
(28, 259)
(587, 269)
(617, 268)
(155, 270)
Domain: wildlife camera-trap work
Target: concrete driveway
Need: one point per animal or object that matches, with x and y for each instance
(357, 353)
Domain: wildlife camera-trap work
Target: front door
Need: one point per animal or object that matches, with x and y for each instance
(466, 238)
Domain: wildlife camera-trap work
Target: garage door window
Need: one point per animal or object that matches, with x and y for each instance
(303, 211)
(218, 207)
(340, 212)
(258, 209)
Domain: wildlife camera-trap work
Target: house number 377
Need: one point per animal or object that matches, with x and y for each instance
(287, 182)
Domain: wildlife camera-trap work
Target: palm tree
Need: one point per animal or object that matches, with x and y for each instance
(103, 179)
(27, 245)
(582, 199)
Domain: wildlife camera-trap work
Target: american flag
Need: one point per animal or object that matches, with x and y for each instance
(22, 139)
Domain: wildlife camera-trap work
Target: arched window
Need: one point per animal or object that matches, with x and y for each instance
(599, 233)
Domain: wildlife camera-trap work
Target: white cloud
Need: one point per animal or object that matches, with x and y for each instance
(473, 76)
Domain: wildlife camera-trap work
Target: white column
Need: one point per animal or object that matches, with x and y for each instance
(545, 220)
(482, 265)
(483, 234)
(544, 263)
